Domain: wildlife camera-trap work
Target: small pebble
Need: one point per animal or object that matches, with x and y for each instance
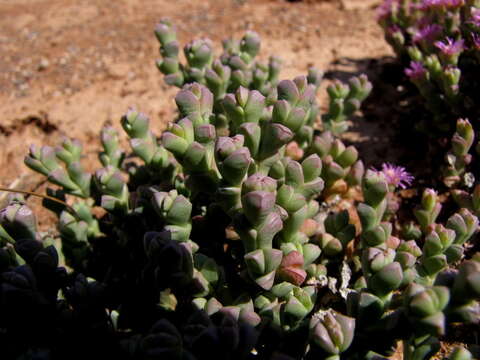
(44, 64)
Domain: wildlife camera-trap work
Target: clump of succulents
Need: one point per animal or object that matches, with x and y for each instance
(439, 41)
(237, 67)
(224, 240)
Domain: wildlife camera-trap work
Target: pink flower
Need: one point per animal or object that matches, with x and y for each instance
(385, 9)
(429, 4)
(453, 4)
(416, 71)
(475, 19)
(429, 32)
(437, 4)
(450, 47)
(396, 176)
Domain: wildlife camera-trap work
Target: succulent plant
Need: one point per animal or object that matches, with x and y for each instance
(438, 42)
(344, 101)
(223, 239)
(458, 158)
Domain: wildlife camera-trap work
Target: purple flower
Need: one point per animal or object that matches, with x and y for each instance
(429, 4)
(416, 70)
(452, 4)
(475, 19)
(396, 176)
(432, 4)
(450, 47)
(429, 33)
(385, 9)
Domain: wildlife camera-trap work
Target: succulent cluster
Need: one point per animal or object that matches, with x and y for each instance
(439, 43)
(237, 67)
(230, 237)
(439, 40)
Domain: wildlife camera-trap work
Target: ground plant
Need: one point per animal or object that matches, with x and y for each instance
(246, 230)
